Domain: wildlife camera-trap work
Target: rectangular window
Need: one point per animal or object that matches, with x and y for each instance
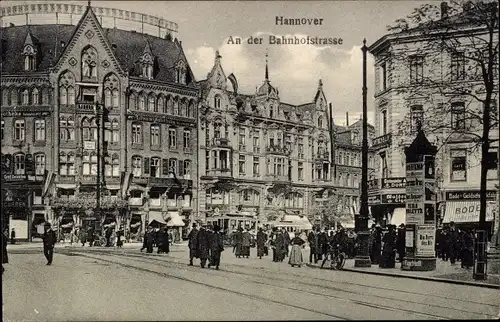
(19, 164)
(256, 144)
(300, 147)
(155, 135)
(256, 166)
(416, 69)
(172, 138)
(458, 165)
(383, 165)
(187, 169)
(39, 164)
(416, 116)
(288, 142)
(19, 130)
(137, 166)
(457, 66)
(39, 130)
(187, 140)
(172, 165)
(3, 128)
(136, 134)
(300, 171)
(155, 167)
(207, 160)
(242, 164)
(458, 116)
(383, 77)
(242, 136)
(384, 122)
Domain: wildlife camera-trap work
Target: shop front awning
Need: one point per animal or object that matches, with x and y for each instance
(466, 211)
(157, 216)
(399, 216)
(175, 220)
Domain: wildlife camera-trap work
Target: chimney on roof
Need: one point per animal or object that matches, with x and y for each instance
(63, 44)
(444, 10)
(347, 118)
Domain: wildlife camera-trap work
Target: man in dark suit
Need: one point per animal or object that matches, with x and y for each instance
(49, 241)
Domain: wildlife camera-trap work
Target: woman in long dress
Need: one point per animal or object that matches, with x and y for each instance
(296, 252)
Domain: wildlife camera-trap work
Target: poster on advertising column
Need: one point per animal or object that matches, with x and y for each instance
(415, 197)
(426, 240)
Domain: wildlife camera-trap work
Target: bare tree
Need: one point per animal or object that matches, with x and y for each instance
(451, 68)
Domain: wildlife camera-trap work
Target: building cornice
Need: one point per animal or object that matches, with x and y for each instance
(41, 78)
(151, 84)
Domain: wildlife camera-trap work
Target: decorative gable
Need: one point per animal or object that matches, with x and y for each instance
(88, 32)
(30, 52)
(217, 77)
(147, 62)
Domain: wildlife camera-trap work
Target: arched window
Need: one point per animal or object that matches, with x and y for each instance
(13, 96)
(160, 106)
(66, 88)
(217, 102)
(183, 107)
(107, 98)
(151, 104)
(115, 100)
(86, 132)
(26, 97)
(176, 106)
(190, 109)
(63, 96)
(39, 163)
(170, 105)
(35, 98)
(89, 62)
(320, 122)
(217, 128)
(142, 102)
(132, 102)
(5, 97)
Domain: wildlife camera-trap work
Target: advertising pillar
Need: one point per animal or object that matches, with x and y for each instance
(420, 206)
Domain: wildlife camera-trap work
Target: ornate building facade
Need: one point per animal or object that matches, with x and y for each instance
(92, 112)
(260, 158)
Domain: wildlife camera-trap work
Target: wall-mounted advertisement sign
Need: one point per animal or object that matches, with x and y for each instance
(394, 198)
(392, 183)
(469, 195)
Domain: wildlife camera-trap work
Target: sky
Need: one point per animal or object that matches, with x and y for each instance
(205, 26)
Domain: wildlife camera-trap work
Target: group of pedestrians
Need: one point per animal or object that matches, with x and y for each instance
(206, 243)
(156, 237)
(456, 245)
(242, 240)
(323, 244)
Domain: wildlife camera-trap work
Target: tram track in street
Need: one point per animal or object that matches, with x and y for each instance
(177, 265)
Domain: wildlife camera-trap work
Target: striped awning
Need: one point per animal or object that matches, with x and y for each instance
(466, 211)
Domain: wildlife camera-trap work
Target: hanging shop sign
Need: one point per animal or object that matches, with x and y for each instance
(469, 195)
(394, 198)
(396, 182)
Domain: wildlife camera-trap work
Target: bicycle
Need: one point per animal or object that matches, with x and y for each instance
(337, 261)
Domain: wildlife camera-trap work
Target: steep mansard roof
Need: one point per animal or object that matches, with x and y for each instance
(127, 46)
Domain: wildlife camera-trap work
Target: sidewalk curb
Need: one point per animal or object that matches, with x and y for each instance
(422, 278)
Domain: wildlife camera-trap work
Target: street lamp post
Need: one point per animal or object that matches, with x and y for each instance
(362, 258)
(99, 163)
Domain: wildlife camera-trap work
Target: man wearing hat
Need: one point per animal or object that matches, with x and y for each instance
(216, 247)
(49, 241)
(192, 237)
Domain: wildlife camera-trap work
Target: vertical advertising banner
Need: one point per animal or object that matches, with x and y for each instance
(415, 198)
(426, 240)
(429, 190)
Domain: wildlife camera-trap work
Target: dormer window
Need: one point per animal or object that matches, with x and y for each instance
(147, 66)
(217, 102)
(29, 58)
(180, 71)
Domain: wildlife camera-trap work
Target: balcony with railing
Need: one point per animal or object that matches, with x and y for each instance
(382, 141)
(86, 106)
(221, 172)
(221, 142)
(322, 156)
(276, 149)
